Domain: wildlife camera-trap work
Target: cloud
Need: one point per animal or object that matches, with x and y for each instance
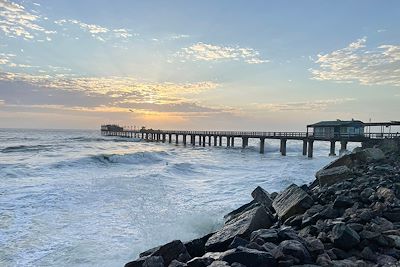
(16, 21)
(96, 31)
(356, 63)
(1, 102)
(316, 105)
(207, 52)
(114, 87)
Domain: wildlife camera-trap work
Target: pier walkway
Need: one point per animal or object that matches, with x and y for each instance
(215, 138)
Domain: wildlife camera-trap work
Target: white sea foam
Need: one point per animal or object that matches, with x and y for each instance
(81, 199)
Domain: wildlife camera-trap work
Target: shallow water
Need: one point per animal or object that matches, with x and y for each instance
(79, 199)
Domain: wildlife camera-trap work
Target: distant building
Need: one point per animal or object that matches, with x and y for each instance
(338, 128)
(111, 127)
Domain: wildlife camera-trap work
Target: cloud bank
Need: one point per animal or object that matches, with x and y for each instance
(356, 63)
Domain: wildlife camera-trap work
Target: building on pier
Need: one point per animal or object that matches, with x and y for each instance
(337, 129)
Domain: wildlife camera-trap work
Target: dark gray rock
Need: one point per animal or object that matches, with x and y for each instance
(344, 237)
(293, 200)
(333, 175)
(241, 226)
(154, 261)
(314, 246)
(200, 262)
(358, 227)
(219, 264)
(174, 250)
(138, 262)
(235, 213)
(267, 235)
(324, 260)
(250, 258)
(368, 254)
(238, 242)
(295, 249)
(262, 197)
(269, 247)
(176, 263)
(343, 202)
(196, 247)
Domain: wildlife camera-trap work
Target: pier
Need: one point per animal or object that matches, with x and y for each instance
(216, 138)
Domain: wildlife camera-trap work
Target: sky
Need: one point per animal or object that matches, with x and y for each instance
(201, 65)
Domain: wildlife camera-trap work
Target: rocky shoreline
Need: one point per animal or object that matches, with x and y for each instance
(349, 216)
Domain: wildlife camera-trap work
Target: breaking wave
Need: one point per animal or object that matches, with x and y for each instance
(26, 148)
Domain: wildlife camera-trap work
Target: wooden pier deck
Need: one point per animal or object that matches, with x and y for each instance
(215, 138)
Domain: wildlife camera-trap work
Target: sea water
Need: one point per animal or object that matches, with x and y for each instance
(76, 198)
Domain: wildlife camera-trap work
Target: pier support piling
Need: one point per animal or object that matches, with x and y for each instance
(310, 148)
(245, 142)
(209, 140)
(220, 140)
(332, 150)
(176, 139)
(262, 145)
(232, 141)
(228, 141)
(343, 146)
(184, 139)
(163, 138)
(204, 140)
(304, 147)
(215, 140)
(283, 147)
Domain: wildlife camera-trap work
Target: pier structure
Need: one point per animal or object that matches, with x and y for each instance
(216, 138)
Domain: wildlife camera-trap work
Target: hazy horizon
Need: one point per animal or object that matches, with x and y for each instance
(209, 65)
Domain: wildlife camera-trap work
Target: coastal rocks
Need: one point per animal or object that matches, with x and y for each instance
(348, 220)
(344, 237)
(333, 175)
(261, 196)
(250, 257)
(174, 250)
(293, 200)
(242, 226)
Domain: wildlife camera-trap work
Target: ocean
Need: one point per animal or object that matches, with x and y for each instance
(76, 198)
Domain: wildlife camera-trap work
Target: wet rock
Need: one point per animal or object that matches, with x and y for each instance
(196, 247)
(396, 240)
(262, 197)
(174, 250)
(333, 175)
(392, 215)
(241, 226)
(138, 262)
(314, 246)
(235, 213)
(154, 261)
(386, 261)
(344, 237)
(269, 247)
(293, 200)
(250, 257)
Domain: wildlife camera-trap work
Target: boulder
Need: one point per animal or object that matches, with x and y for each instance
(176, 263)
(371, 154)
(138, 262)
(200, 262)
(344, 237)
(242, 226)
(343, 202)
(196, 247)
(219, 264)
(294, 249)
(262, 197)
(333, 175)
(250, 257)
(174, 250)
(240, 210)
(154, 261)
(293, 200)
(238, 242)
(267, 235)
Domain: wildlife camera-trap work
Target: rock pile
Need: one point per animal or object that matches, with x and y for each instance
(349, 216)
